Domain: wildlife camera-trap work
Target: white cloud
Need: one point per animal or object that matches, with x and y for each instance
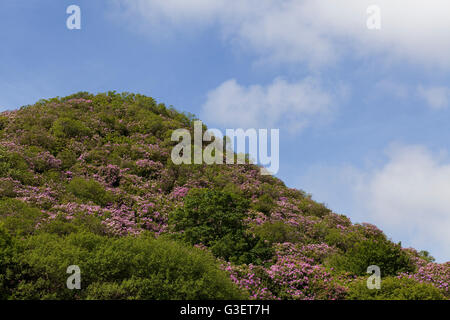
(408, 196)
(317, 32)
(435, 97)
(411, 194)
(280, 104)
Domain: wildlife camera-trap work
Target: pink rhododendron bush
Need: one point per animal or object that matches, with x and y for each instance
(88, 180)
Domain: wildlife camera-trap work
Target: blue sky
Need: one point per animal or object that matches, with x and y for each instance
(374, 105)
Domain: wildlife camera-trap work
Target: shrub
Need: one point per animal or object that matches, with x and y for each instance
(264, 204)
(111, 175)
(241, 247)
(89, 190)
(342, 240)
(14, 165)
(6, 245)
(277, 232)
(394, 289)
(38, 136)
(312, 208)
(7, 188)
(215, 218)
(18, 217)
(68, 158)
(69, 128)
(147, 168)
(78, 223)
(381, 252)
(425, 255)
(208, 215)
(45, 161)
(113, 268)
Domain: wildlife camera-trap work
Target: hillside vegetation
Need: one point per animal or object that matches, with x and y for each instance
(87, 180)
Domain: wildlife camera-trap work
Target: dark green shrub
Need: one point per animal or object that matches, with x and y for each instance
(312, 208)
(7, 188)
(69, 128)
(215, 218)
(242, 247)
(89, 190)
(119, 268)
(394, 289)
(342, 240)
(38, 136)
(277, 232)
(68, 158)
(80, 222)
(381, 252)
(14, 165)
(6, 247)
(264, 204)
(18, 217)
(208, 215)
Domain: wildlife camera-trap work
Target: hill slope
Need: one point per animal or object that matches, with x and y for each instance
(87, 180)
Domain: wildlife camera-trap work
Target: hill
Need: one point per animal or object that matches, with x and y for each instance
(87, 181)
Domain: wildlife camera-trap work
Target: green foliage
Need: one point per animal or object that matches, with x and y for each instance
(61, 156)
(337, 238)
(69, 128)
(264, 204)
(215, 218)
(6, 245)
(39, 137)
(3, 122)
(18, 217)
(89, 190)
(14, 165)
(381, 252)
(68, 158)
(118, 268)
(79, 223)
(209, 215)
(7, 188)
(312, 208)
(394, 289)
(426, 256)
(277, 232)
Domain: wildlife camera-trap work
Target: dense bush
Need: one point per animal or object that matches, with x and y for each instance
(394, 289)
(69, 128)
(80, 222)
(18, 217)
(68, 158)
(117, 268)
(264, 204)
(388, 256)
(7, 188)
(89, 190)
(6, 252)
(277, 232)
(215, 219)
(13, 165)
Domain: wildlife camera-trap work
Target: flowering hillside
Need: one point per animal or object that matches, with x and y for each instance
(88, 180)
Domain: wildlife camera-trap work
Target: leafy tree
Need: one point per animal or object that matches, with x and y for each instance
(393, 288)
(118, 268)
(381, 252)
(215, 218)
